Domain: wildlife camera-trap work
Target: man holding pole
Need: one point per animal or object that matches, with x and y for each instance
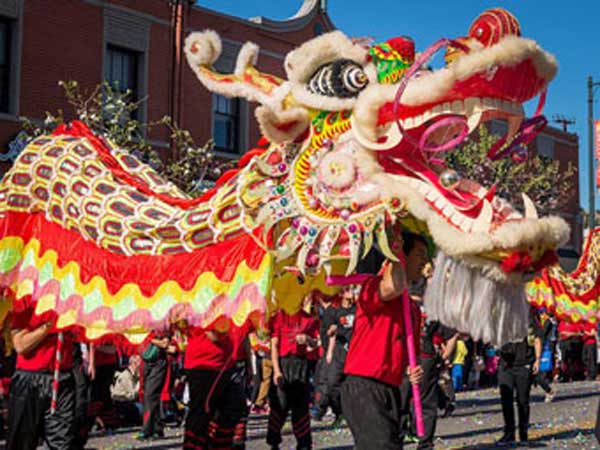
(378, 355)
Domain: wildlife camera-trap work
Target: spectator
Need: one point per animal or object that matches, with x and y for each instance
(29, 404)
(155, 373)
(458, 365)
(125, 392)
(518, 362)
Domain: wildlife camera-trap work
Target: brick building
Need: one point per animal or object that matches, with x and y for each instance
(564, 147)
(132, 42)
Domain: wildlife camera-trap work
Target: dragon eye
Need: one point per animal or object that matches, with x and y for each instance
(342, 78)
(354, 78)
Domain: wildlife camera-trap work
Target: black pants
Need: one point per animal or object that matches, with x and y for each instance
(541, 381)
(155, 374)
(293, 396)
(571, 350)
(213, 427)
(335, 378)
(511, 380)
(29, 417)
(374, 411)
(589, 360)
(322, 385)
(82, 402)
(101, 404)
(222, 431)
(430, 399)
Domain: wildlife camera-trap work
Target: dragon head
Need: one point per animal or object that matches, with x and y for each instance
(356, 132)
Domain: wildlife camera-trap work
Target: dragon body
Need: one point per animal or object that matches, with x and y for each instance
(95, 238)
(574, 296)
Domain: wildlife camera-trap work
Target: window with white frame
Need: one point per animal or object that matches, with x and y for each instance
(121, 69)
(229, 115)
(226, 123)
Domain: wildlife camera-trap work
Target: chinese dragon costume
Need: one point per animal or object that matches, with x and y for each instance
(97, 239)
(574, 296)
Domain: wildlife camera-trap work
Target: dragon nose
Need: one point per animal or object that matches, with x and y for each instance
(492, 25)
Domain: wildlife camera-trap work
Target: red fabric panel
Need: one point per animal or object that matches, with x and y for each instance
(148, 271)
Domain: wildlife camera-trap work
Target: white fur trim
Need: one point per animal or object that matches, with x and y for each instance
(301, 63)
(207, 45)
(248, 56)
(550, 232)
(433, 87)
(268, 120)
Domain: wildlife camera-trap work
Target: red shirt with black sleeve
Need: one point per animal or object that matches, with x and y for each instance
(42, 358)
(238, 336)
(285, 327)
(202, 353)
(378, 345)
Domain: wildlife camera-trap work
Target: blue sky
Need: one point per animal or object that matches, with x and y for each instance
(568, 29)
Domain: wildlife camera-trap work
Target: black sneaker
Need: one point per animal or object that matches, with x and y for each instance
(159, 434)
(449, 410)
(506, 440)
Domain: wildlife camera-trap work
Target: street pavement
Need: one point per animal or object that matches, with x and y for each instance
(566, 423)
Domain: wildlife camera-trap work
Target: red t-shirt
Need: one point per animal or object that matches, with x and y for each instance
(238, 337)
(42, 358)
(378, 345)
(202, 353)
(568, 330)
(105, 355)
(286, 327)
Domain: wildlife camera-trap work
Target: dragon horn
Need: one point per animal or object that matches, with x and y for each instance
(202, 49)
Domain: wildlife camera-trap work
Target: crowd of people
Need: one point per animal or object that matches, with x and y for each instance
(345, 354)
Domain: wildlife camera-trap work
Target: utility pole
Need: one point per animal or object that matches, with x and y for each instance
(591, 84)
(564, 121)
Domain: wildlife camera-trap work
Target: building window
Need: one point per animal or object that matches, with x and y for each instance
(5, 64)
(121, 69)
(226, 123)
(545, 145)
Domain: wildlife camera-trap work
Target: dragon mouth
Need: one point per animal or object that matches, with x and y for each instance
(465, 204)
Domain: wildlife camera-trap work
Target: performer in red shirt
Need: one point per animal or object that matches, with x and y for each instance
(29, 407)
(590, 350)
(292, 339)
(228, 426)
(155, 374)
(377, 358)
(210, 364)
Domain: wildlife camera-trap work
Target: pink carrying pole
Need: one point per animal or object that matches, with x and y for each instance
(412, 362)
(412, 354)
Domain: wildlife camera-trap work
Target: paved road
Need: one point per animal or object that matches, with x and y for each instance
(567, 423)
